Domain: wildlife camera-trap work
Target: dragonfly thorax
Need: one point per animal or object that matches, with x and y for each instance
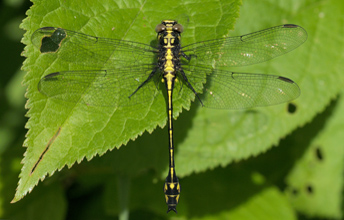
(169, 44)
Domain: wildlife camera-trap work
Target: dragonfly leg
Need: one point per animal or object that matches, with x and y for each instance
(185, 56)
(146, 81)
(189, 84)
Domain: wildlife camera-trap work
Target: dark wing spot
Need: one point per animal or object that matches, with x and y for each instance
(285, 79)
(290, 26)
(51, 75)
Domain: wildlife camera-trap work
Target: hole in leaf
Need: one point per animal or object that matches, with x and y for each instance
(318, 153)
(309, 189)
(295, 191)
(291, 108)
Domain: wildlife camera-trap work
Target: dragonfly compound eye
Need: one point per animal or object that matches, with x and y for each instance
(159, 28)
(178, 27)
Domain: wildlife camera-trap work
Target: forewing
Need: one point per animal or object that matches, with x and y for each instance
(92, 51)
(230, 90)
(247, 49)
(110, 87)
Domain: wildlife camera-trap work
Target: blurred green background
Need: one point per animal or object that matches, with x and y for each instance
(269, 186)
(11, 93)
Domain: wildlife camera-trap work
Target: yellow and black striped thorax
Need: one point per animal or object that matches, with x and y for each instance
(169, 45)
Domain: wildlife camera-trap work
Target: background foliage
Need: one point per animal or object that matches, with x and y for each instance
(300, 178)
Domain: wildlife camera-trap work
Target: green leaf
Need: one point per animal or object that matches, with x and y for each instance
(204, 138)
(218, 137)
(267, 204)
(62, 133)
(234, 192)
(316, 181)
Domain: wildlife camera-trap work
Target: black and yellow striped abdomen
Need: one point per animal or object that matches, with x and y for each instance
(169, 37)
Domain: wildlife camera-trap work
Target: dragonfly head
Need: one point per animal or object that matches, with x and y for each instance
(168, 28)
(170, 25)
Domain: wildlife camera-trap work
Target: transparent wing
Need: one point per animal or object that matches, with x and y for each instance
(230, 90)
(92, 51)
(247, 49)
(100, 87)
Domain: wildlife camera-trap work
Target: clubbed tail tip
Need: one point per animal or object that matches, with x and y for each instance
(172, 209)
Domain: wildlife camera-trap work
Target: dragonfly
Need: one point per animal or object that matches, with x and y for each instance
(120, 73)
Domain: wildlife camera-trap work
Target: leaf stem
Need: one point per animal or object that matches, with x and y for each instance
(123, 188)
